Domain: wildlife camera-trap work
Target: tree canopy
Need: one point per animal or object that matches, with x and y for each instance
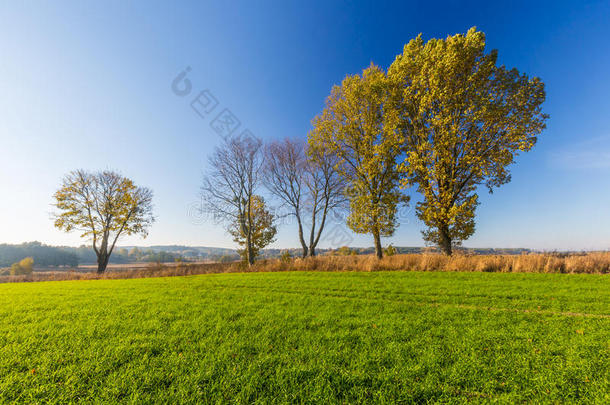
(464, 119)
(103, 206)
(357, 127)
(262, 229)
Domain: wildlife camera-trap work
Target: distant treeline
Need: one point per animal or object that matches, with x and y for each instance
(271, 253)
(45, 255)
(124, 255)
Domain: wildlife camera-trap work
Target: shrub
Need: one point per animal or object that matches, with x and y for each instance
(285, 257)
(345, 251)
(390, 250)
(24, 266)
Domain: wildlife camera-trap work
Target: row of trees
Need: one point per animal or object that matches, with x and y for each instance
(445, 119)
(309, 188)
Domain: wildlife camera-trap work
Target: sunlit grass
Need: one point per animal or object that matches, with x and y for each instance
(315, 337)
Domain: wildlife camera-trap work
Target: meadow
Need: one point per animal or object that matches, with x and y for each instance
(309, 337)
(574, 262)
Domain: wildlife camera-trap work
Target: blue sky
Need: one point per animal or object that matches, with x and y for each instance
(88, 85)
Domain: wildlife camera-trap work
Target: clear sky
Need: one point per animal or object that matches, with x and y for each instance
(88, 85)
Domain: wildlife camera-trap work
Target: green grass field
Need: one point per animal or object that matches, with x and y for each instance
(308, 337)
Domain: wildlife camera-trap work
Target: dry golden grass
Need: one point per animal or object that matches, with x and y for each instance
(594, 262)
(152, 270)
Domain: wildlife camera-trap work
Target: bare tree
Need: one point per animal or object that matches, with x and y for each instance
(310, 188)
(104, 206)
(284, 177)
(327, 193)
(229, 189)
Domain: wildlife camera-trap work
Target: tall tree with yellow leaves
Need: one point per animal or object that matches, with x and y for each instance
(464, 119)
(363, 134)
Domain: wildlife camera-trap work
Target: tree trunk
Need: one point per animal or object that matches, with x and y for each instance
(102, 262)
(313, 241)
(301, 238)
(249, 252)
(445, 240)
(378, 249)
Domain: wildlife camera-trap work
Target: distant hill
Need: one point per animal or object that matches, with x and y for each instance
(67, 256)
(43, 255)
(46, 255)
(405, 250)
(188, 251)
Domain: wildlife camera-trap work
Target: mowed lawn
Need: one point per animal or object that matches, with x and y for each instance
(308, 337)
